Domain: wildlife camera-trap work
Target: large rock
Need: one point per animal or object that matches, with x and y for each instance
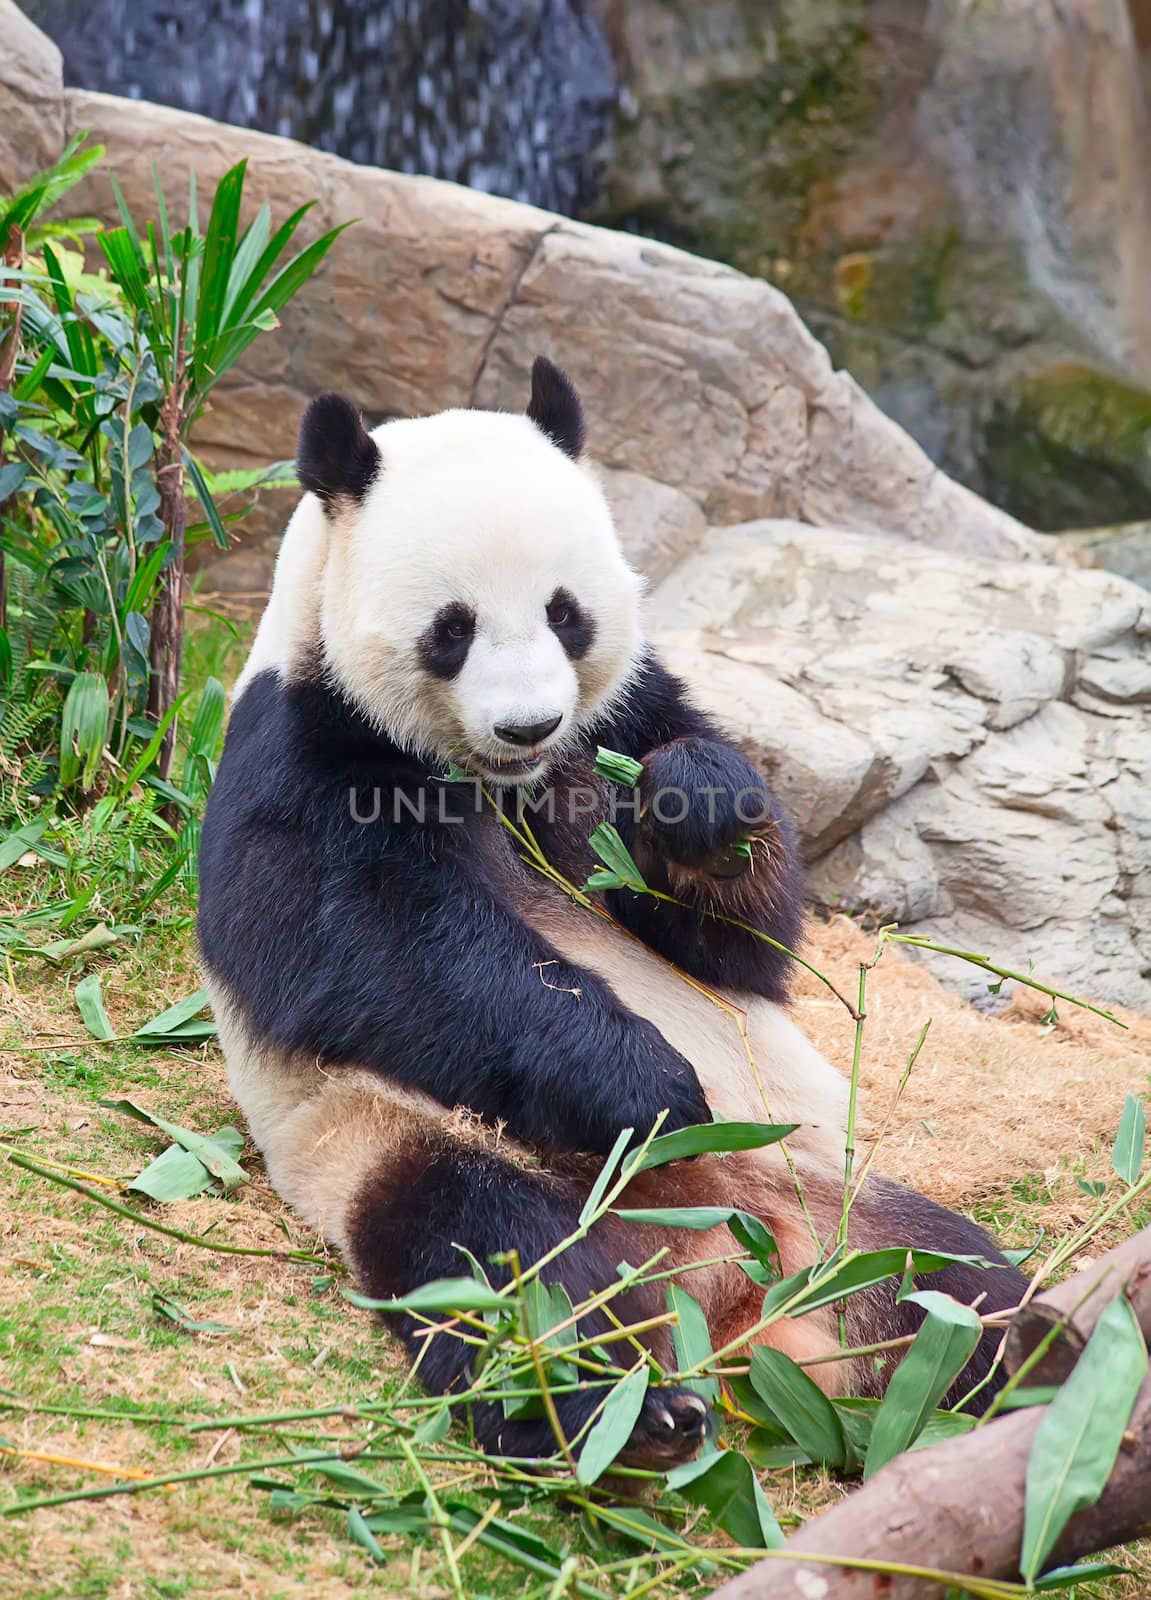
(694, 375)
(1125, 550)
(965, 745)
(31, 99)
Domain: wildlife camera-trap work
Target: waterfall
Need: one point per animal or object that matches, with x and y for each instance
(510, 96)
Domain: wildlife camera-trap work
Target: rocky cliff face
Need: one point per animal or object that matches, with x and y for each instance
(957, 195)
(960, 728)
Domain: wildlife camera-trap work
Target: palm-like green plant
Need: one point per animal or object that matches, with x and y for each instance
(21, 229)
(199, 300)
(105, 376)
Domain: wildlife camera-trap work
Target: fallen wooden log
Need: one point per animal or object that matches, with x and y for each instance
(957, 1507)
(1078, 1303)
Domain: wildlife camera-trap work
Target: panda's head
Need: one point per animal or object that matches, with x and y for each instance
(475, 601)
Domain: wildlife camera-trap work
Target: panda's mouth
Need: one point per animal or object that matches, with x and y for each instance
(513, 766)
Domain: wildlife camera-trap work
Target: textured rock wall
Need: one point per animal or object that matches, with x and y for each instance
(965, 744)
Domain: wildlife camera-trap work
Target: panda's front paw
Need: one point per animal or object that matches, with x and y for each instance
(699, 800)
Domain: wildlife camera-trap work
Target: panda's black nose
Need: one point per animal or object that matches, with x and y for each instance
(526, 732)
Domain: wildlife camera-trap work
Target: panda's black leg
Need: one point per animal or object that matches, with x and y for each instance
(887, 1214)
(406, 1227)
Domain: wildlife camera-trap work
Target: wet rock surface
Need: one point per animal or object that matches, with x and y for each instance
(956, 196)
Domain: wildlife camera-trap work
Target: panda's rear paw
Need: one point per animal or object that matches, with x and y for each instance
(672, 1428)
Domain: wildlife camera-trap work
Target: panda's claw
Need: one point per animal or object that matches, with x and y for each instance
(672, 1428)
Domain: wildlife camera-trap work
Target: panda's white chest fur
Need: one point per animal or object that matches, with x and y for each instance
(753, 1063)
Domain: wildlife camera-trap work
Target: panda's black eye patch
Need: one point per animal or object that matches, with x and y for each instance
(444, 644)
(570, 623)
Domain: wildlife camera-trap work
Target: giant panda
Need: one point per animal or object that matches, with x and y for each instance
(433, 1045)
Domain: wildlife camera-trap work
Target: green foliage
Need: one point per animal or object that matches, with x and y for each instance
(1078, 1440)
(102, 378)
(24, 210)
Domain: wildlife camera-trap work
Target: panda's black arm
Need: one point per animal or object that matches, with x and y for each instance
(698, 795)
(421, 970)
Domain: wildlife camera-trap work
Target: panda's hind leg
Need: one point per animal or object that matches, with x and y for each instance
(887, 1214)
(410, 1224)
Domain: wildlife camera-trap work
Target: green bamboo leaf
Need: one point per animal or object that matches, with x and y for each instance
(287, 282)
(942, 1348)
(152, 748)
(174, 1019)
(699, 1218)
(1077, 1442)
(757, 1239)
(83, 729)
(20, 841)
(33, 378)
(140, 591)
(606, 1173)
(89, 998)
(613, 1427)
(705, 1138)
(617, 858)
(800, 1406)
(219, 253)
(1085, 1572)
(828, 1281)
(215, 1155)
(692, 1340)
(445, 1295)
(1127, 1156)
(175, 1174)
(724, 1483)
(204, 495)
(435, 1427)
(361, 1534)
(164, 1306)
(252, 244)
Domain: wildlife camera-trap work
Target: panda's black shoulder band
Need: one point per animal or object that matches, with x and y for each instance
(336, 458)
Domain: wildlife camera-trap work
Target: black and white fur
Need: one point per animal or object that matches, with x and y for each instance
(433, 1046)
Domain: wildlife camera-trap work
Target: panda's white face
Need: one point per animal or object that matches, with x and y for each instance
(475, 602)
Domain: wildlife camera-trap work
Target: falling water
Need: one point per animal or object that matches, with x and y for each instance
(510, 96)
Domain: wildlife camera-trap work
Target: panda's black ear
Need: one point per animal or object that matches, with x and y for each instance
(555, 407)
(336, 457)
